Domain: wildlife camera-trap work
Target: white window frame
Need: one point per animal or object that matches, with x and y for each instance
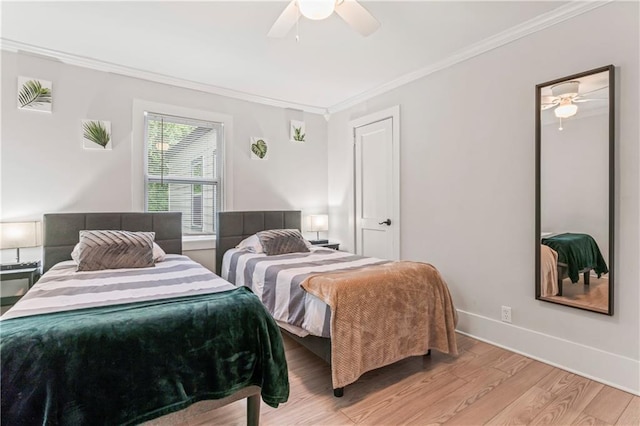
(139, 153)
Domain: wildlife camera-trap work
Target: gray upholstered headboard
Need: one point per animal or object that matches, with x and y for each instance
(234, 227)
(61, 231)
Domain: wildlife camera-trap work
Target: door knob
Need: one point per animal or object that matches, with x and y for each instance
(386, 222)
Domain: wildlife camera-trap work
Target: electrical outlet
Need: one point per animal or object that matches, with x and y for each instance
(506, 314)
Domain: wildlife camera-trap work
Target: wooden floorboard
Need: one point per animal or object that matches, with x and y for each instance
(483, 385)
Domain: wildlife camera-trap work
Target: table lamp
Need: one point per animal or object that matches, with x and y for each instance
(317, 223)
(19, 235)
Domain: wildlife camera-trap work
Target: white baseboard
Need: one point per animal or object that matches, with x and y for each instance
(605, 367)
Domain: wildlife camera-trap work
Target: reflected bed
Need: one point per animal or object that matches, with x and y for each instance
(575, 254)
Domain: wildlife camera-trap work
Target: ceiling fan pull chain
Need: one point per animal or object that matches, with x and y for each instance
(560, 128)
(297, 27)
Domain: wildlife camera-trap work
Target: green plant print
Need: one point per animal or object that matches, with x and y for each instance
(96, 132)
(297, 134)
(259, 148)
(32, 93)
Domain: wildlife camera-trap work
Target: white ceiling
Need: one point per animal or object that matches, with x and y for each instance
(224, 44)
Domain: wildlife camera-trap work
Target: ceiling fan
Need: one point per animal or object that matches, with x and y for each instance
(352, 12)
(564, 97)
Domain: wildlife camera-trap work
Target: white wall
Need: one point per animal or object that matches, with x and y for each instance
(467, 189)
(44, 168)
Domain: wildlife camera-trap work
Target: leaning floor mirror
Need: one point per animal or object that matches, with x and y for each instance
(575, 118)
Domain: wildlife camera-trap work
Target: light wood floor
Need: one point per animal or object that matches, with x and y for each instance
(483, 385)
(594, 296)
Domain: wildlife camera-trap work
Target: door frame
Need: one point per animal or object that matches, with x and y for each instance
(393, 113)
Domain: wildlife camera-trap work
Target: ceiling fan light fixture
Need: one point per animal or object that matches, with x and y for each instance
(316, 9)
(566, 109)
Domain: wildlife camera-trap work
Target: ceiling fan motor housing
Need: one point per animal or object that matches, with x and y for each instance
(568, 89)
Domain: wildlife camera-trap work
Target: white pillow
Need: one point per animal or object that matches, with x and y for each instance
(158, 253)
(251, 244)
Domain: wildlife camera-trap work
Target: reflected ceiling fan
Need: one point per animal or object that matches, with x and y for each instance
(352, 12)
(565, 96)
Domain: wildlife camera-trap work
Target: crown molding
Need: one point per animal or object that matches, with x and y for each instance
(82, 61)
(539, 23)
(556, 16)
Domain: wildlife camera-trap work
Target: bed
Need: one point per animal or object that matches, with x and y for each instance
(576, 254)
(356, 313)
(126, 346)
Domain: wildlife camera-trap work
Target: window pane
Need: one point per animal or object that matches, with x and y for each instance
(172, 147)
(158, 197)
(197, 208)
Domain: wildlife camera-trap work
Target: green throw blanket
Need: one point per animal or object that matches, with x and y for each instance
(125, 364)
(577, 251)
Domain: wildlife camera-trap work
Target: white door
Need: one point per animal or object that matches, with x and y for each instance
(374, 190)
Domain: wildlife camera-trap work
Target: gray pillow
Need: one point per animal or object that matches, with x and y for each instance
(114, 250)
(282, 241)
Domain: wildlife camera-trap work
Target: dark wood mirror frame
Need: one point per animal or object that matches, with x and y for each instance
(611, 175)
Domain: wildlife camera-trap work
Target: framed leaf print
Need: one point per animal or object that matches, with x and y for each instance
(297, 131)
(96, 134)
(259, 149)
(34, 94)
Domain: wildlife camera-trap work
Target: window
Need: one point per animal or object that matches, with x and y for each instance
(182, 171)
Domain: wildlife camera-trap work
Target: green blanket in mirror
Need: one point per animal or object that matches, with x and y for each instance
(126, 364)
(578, 252)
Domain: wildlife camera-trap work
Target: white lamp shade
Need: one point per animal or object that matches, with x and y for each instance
(20, 235)
(316, 9)
(318, 222)
(566, 109)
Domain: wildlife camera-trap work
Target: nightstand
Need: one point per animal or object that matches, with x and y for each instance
(32, 274)
(335, 246)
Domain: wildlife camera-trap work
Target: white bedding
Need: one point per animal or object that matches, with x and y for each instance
(63, 289)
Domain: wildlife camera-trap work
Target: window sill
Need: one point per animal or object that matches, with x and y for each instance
(193, 242)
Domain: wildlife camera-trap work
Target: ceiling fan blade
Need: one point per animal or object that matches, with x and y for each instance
(549, 102)
(589, 99)
(357, 17)
(285, 21)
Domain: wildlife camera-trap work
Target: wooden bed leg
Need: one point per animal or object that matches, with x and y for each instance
(253, 410)
(586, 278)
(338, 392)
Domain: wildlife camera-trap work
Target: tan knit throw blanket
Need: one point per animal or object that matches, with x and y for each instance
(383, 313)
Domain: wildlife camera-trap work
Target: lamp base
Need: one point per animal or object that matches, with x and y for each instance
(318, 241)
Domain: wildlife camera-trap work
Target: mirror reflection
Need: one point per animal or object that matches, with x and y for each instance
(574, 203)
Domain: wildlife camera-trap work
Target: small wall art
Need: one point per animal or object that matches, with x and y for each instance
(259, 149)
(96, 134)
(34, 94)
(297, 131)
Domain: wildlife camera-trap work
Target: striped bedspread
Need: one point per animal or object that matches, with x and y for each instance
(276, 281)
(64, 289)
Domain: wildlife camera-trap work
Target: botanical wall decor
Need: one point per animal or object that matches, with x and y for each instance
(297, 131)
(34, 94)
(259, 149)
(96, 134)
